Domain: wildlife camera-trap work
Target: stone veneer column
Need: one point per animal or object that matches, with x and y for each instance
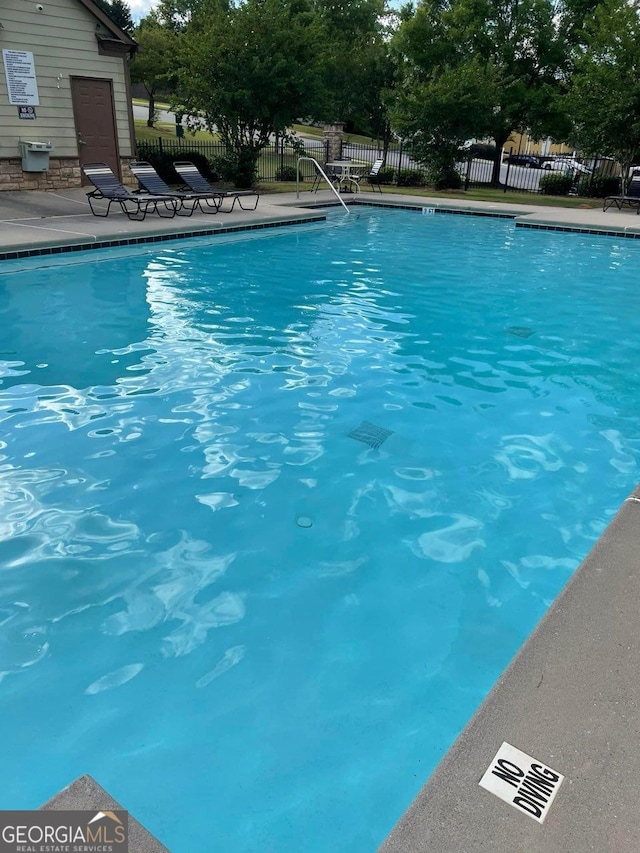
(333, 134)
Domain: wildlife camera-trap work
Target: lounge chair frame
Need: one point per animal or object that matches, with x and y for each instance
(108, 188)
(151, 182)
(197, 183)
(630, 199)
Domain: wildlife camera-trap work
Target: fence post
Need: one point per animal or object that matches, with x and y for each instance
(593, 172)
(506, 177)
(160, 144)
(467, 177)
(399, 163)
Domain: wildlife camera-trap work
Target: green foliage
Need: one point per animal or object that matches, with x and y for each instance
(386, 175)
(175, 14)
(251, 70)
(119, 12)
(410, 178)
(163, 162)
(599, 186)
(355, 64)
(555, 184)
(475, 68)
(153, 65)
(238, 167)
(447, 180)
(604, 102)
(287, 173)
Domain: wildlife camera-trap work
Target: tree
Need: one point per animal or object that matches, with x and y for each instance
(604, 101)
(119, 12)
(350, 48)
(176, 14)
(153, 65)
(441, 112)
(510, 46)
(251, 71)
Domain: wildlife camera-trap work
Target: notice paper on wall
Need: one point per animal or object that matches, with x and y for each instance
(20, 71)
(522, 781)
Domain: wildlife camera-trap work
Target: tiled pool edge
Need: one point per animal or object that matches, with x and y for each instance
(571, 698)
(522, 219)
(86, 794)
(111, 242)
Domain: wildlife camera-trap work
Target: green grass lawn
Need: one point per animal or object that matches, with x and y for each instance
(491, 195)
(167, 130)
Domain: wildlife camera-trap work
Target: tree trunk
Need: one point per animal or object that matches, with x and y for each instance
(500, 140)
(151, 117)
(386, 142)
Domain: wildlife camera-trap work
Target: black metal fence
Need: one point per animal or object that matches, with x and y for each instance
(277, 161)
(546, 175)
(597, 176)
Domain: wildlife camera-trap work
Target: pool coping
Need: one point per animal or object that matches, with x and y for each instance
(85, 794)
(571, 699)
(60, 247)
(34, 224)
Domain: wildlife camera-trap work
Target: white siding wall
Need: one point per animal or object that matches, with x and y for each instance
(62, 39)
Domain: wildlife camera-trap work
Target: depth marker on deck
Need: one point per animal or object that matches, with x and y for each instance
(522, 781)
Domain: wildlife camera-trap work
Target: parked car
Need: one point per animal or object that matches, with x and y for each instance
(566, 164)
(529, 161)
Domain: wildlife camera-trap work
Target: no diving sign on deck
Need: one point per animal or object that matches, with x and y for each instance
(522, 781)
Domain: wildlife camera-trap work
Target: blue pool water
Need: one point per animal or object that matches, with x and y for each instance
(256, 631)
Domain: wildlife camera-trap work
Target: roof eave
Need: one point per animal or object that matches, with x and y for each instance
(97, 12)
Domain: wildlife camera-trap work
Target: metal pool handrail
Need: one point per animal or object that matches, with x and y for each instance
(321, 170)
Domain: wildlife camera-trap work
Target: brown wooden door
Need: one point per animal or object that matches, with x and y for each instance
(95, 122)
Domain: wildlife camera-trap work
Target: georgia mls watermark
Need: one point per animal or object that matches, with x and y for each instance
(64, 832)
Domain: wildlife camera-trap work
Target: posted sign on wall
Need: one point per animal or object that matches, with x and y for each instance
(20, 72)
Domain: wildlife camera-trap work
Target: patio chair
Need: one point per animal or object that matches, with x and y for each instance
(108, 188)
(373, 178)
(330, 171)
(190, 174)
(151, 182)
(631, 198)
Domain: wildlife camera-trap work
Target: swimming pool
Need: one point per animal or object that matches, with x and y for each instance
(256, 630)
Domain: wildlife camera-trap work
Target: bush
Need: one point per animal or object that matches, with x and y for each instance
(288, 173)
(163, 162)
(447, 179)
(410, 178)
(387, 175)
(555, 184)
(240, 168)
(599, 187)
(202, 163)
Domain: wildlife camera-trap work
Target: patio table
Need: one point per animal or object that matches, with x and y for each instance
(348, 176)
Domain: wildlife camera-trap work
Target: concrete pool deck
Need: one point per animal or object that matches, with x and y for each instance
(571, 697)
(46, 222)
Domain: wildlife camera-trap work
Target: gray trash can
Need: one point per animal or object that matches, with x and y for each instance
(35, 156)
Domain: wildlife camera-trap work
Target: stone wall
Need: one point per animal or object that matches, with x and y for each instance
(333, 134)
(63, 174)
